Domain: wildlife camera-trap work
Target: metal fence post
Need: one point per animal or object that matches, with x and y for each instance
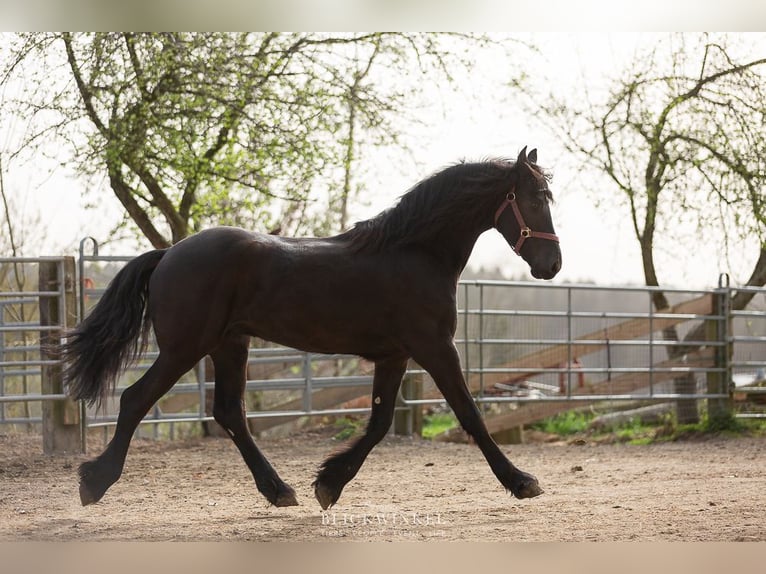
(718, 379)
(61, 419)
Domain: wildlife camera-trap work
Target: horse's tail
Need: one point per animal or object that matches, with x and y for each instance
(112, 335)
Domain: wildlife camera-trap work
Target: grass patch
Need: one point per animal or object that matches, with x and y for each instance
(576, 423)
(565, 424)
(437, 423)
(433, 425)
(573, 424)
(347, 427)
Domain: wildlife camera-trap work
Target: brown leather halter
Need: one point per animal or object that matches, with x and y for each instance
(524, 230)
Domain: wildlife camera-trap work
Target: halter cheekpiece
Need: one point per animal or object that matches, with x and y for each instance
(524, 230)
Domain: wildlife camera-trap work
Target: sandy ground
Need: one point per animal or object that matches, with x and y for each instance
(409, 489)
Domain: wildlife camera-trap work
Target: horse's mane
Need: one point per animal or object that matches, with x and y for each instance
(458, 195)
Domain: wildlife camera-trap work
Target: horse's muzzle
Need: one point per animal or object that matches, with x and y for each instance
(548, 271)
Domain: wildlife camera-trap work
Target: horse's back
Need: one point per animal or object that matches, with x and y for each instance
(227, 279)
(311, 294)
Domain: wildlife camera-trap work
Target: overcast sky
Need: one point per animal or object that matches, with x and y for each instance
(597, 246)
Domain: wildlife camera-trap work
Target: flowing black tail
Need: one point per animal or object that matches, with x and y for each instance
(112, 335)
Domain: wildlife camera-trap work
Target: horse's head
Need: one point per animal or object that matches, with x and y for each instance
(524, 218)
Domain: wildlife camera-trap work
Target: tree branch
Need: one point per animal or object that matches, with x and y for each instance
(127, 198)
(87, 97)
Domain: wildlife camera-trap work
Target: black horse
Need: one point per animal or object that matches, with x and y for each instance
(384, 290)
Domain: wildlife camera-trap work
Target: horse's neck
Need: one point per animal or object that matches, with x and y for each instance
(455, 252)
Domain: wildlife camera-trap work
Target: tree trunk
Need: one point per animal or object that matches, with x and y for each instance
(686, 409)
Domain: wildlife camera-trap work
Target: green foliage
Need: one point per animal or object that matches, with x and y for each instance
(571, 424)
(565, 424)
(636, 432)
(438, 423)
(348, 427)
(726, 422)
(260, 130)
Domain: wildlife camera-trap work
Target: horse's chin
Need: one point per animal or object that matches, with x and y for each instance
(547, 270)
(544, 274)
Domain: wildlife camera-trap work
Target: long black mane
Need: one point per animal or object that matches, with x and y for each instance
(459, 195)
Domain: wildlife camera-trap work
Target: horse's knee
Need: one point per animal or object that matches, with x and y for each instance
(229, 416)
(220, 416)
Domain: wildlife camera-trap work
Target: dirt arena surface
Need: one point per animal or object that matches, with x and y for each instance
(409, 489)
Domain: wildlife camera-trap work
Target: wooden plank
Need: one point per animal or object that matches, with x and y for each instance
(552, 357)
(532, 412)
(622, 384)
(321, 399)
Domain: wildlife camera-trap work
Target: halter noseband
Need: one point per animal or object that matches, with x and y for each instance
(524, 230)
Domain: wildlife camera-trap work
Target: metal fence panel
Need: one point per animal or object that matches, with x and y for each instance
(520, 343)
(21, 361)
(747, 338)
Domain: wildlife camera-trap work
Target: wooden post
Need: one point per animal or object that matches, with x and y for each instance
(61, 418)
(511, 435)
(408, 422)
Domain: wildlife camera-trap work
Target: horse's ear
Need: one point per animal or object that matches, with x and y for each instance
(532, 157)
(522, 156)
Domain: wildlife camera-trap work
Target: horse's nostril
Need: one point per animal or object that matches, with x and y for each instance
(556, 266)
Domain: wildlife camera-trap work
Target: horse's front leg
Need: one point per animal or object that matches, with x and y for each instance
(442, 362)
(340, 468)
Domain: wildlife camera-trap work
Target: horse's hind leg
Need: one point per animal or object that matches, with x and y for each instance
(97, 475)
(340, 468)
(230, 362)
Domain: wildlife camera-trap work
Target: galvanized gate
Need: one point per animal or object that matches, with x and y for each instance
(542, 346)
(33, 315)
(552, 347)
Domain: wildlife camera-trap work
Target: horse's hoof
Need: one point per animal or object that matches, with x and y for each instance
(528, 488)
(86, 496)
(530, 491)
(286, 498)
(95, 479)
(324, 495)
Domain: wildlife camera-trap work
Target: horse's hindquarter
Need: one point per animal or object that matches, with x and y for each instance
(192, 289)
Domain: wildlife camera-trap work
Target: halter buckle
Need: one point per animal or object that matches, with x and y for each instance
(526, 232)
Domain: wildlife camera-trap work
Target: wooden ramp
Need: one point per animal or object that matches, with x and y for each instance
(553, 357)
(629, 382)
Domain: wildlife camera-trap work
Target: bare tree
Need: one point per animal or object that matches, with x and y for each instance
(680, 135)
